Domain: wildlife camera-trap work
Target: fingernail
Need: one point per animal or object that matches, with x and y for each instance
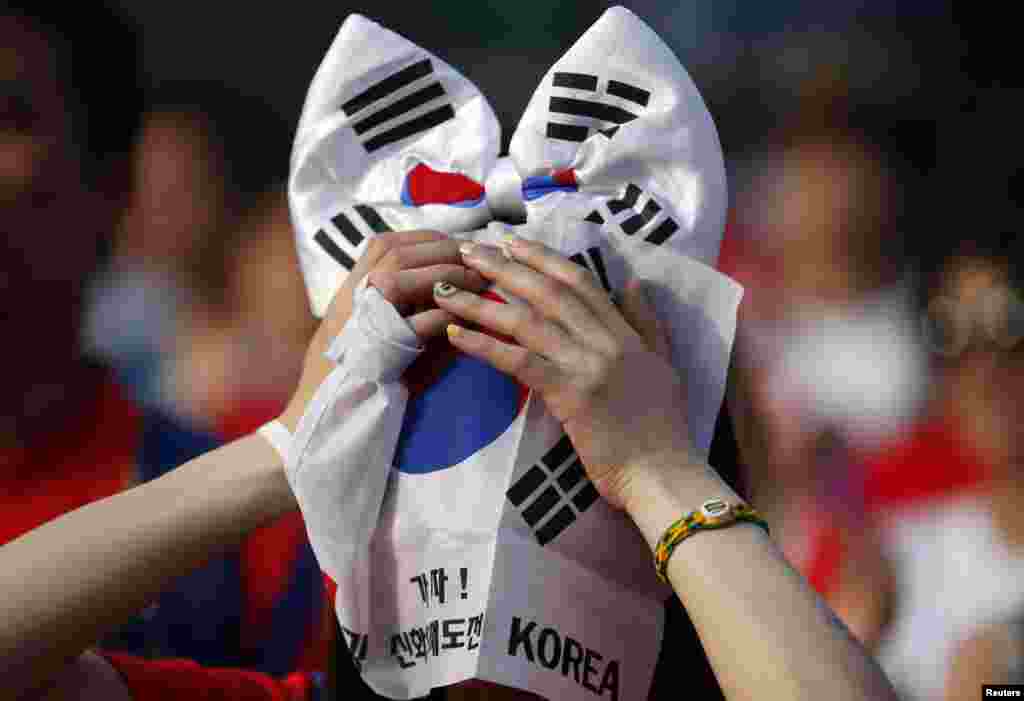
(452, 330)
(508, 243)
(512, 240)
(443, 288)
(479, 251)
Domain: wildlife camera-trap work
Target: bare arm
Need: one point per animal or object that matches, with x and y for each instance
(67, 583)
(70, 581)
(987, 657)
(767, 634)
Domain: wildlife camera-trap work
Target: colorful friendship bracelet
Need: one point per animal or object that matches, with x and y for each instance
(714, 513)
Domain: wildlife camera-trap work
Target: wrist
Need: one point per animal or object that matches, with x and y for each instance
(652, 474)
(292, 413)
(662, 489)
(269, 471)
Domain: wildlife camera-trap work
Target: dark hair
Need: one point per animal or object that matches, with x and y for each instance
(248, 137)
(97, 57)
(246, 142)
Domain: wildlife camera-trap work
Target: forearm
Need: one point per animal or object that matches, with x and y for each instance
(67, 583)
(765, 631)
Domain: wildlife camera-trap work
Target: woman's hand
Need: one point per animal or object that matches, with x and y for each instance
(403, 266)
(620, 402)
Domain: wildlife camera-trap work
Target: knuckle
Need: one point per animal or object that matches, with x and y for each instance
(387, 285)
(519, 361)
(615, 355)
(393, 259)
(523, 320)
(598, 369)
(554, 290)
(378, 246)
(585, 389)
(579, 276)
(532, 247)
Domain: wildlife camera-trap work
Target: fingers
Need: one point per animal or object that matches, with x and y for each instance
(377, 249)
(416, 286)
(551, 297)
(527, 367)
(639, 312)
(430, 323)
(582, 281)
(419, 255)
(531, 330)
(383, 244)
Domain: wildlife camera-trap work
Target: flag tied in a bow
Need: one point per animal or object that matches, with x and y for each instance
(456, 518)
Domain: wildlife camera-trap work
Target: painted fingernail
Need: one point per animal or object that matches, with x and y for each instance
(512, 240)
(452, 330)
(481, 253)
(443, 288)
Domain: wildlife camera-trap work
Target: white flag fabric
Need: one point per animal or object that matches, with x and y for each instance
(380, 111)
(455, 516)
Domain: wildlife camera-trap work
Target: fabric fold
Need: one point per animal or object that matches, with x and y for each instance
(339, 476)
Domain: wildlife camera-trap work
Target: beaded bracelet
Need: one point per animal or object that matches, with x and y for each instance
(714, 513)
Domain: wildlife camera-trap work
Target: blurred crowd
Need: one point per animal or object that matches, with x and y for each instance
(201, 306)
(877, 386)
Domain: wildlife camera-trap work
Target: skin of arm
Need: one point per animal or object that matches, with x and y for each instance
(767, 634)
(72, 580)
(68, 582)
(985, 658)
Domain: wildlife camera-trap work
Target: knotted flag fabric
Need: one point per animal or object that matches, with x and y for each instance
(456, 517)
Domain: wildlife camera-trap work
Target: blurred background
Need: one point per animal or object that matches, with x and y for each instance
(877, 387)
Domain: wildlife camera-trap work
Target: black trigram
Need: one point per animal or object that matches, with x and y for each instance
(606, 115)
(552, 492)
(393, 113)
(343, 248)
(592, 260)
(640, 218)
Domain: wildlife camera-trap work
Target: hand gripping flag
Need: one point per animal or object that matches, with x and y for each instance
(454, 514)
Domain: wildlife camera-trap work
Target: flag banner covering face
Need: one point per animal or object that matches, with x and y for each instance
(453, 512)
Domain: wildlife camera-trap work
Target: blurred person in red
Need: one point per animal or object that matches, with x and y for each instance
(826, 361)
(205, 155)
(949, 497)
(69, 434)
(178, 199)
(990, 648)
(240, 349)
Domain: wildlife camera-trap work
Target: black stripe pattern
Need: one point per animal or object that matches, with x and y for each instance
(344, 246)
(554, 492)
(598, 112)
(637, 219)
(592, 260)
(384, 122)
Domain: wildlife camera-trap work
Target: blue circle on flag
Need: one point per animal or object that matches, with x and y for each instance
(466, 408)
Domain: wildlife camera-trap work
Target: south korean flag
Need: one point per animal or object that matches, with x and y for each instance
(385, 128)
(622, 115)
